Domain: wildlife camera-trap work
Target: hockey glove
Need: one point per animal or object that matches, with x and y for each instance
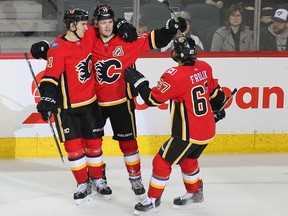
(126, 30)
(39, 50)
(174, 26)
(219, 115)
(135, 78)
(46, 106)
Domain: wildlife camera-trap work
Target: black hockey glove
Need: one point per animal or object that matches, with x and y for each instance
(135, 78)
(219, 115)
(126, 30)
(40, 49)
(174, 26)
(46, 106)
(134, 93)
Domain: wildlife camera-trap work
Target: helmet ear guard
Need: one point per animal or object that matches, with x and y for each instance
(74, 15)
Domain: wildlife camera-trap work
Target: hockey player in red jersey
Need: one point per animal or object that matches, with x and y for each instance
(114, 50)
(111, 55)
(194, 98)
(68, 91)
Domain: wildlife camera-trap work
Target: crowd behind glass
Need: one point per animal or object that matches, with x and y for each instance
(234, 32)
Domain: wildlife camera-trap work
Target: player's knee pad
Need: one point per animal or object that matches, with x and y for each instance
(93, 146)
(189, 165)
(161, 167)
(74, 148)
(128, 146)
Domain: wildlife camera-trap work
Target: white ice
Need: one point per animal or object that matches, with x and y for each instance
(234, 185)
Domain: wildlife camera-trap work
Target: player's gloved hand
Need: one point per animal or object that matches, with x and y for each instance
(174, 26)
(46, 106)
(134, 92)
(126, 30)
(219, 115)
(135, 78)
(39, 50)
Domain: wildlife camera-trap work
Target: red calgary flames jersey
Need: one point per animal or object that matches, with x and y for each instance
(189, 88)
(69, 67)
(109, 62)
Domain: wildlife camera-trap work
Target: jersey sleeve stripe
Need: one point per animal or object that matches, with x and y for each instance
(152, 40)
(50, 80)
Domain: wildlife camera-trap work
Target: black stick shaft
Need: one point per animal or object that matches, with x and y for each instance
(227, 99)
(49, 122)
(167, 3)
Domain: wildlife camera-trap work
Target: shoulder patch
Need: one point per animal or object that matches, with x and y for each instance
(54, 45)
(171, 71)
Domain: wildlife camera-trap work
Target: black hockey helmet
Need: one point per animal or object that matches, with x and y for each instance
(74, 15)
(103, 12)
(185, 48)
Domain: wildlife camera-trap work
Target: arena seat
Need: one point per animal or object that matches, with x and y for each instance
(203, 16)
(208, 36)
(284, 6)
(156, 14)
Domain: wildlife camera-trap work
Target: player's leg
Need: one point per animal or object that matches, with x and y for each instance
(160, 176)
(191, 179)
(95, 165)
(124, 127)
(131, 156)
(73, 144)
(171, 152)
(78, 166)
(92, 130)
(104, 115)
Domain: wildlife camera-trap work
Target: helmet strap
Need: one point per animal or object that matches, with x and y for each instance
(76, 34)
(75, 31)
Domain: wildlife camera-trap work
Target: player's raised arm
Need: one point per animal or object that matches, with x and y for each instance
(164, 35)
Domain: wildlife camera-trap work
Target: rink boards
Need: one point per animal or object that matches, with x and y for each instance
(256, 120)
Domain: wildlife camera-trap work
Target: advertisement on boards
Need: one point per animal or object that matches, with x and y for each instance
(259, 106)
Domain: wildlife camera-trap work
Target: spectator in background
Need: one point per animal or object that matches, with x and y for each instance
(268, 8)
(109, 1)
(143, 25)
(218, 4)
(279, 2)
(222, 5)
(235, 35)
(275, 37)
(188, 33)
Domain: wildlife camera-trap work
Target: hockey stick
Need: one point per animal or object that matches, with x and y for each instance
(49, 122)
(167, 3)
(227, 100)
